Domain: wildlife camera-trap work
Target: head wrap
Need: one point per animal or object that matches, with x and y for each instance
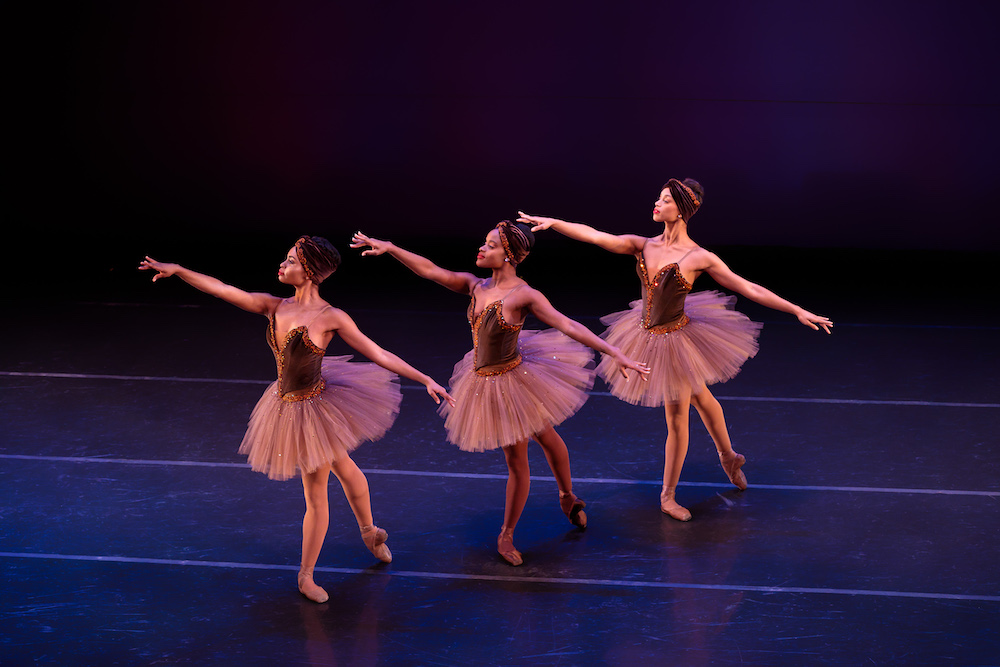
(318, 257)
(516, 243)
(687, 200)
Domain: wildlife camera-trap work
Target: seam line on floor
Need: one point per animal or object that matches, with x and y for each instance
(567, 581)
(499, 476)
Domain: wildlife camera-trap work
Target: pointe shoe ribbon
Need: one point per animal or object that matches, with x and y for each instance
(672, 508)
(309, 588)
(505, 547)
(374, 538)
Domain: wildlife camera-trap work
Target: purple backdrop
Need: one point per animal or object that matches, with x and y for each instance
(847, 124)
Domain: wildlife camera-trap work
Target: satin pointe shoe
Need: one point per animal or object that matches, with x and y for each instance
(309, 588)
(374, 538)
(731, 463)
(572, 507)
(671, 508)
(505, 547)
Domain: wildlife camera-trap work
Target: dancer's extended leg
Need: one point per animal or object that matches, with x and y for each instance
(359, 498)
(711, 414)
(557, 455)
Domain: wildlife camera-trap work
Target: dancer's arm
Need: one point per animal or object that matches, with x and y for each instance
(622, 244)
(456, 281)
(545, 312)
(725, 276)
(255, 302)
(342, 323)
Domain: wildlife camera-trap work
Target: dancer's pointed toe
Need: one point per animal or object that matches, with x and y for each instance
(572, 507)
(732, 464)
(374, 538)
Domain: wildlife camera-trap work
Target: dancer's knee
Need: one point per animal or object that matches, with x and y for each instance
(517, 458)
(705, 401)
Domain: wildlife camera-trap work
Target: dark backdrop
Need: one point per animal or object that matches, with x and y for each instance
(215, 132)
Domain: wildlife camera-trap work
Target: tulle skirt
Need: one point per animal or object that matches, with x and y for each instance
(710, 348)
(546, 388)
(360, 402)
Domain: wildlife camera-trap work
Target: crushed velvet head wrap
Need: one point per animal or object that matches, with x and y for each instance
(318, 257)
(688, 201)
(517, 240)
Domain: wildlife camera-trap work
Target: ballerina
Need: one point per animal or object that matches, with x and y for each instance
(514, 385)
(320, 408)
(689, 342)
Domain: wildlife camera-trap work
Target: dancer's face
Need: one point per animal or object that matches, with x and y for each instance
(290, 271)
(665, 209)
(491, 254)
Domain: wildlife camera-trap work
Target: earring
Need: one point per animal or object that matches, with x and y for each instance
(506, 259)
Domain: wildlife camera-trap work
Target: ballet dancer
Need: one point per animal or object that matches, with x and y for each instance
(689, 341)
(320, 408)
(514, 385)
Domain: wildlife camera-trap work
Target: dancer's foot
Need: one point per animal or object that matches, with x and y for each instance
(374, 538)
(505, 547)
(731, 463)
(671, 508)
(309, 588)
(572, 507)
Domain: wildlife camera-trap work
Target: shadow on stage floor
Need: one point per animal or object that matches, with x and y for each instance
(133, 533)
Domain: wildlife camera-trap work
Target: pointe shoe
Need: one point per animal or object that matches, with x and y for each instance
(671, 508)
(505, 547)
(732, 463)
(374, 538)
(309, 588)
(572, 507)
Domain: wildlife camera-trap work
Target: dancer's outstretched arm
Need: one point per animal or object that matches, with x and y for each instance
(544, 311)
(254, 302)
(725, 276)
(622, 244)
(342, 323)
(456, 281)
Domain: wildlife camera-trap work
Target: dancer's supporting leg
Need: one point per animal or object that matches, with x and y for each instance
(557, 455)
(710, 410)
(674, 453)
(518, 485)
(358, 497)
(314, 527)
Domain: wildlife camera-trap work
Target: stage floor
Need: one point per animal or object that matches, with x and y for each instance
(133, 533)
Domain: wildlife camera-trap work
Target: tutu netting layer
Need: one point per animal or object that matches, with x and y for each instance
(546, 388)
(710, 348)
(360, 402)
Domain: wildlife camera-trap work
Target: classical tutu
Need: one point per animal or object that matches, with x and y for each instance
(710, 348)
(359, 402)
(547, 387)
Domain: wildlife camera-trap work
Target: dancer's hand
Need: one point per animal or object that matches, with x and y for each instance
(811, 321)
(360, 240)
(437, 392)
(163, 270)
(626, 363)
(537, 222)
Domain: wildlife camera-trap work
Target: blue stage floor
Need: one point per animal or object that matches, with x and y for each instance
(133, 534)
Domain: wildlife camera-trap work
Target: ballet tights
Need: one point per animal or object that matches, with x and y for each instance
(316, 520)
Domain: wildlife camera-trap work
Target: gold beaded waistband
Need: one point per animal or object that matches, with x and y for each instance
(292, 397)
(487, 371)
(668, 328)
